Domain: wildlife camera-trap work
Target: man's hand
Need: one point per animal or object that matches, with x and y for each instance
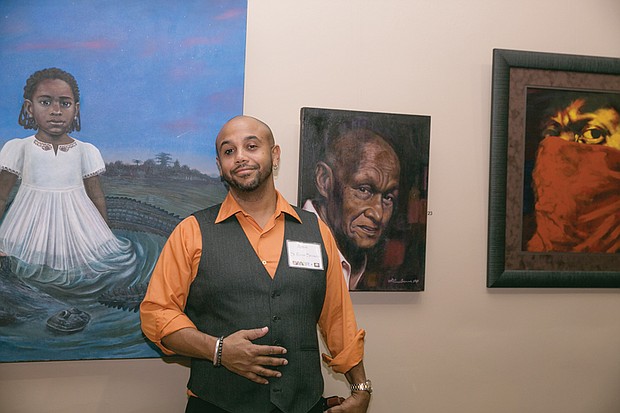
(249, 360)
(356, 403)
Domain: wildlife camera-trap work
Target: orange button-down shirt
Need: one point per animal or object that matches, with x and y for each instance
(162, 310)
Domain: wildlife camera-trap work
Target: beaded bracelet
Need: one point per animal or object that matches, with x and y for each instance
(217, 360)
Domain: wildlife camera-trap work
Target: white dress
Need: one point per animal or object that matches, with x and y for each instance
(54, 233)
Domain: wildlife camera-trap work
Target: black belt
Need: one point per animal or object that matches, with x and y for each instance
(197, 405)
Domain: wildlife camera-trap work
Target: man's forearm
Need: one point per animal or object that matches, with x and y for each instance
(190, 342)
(356, 374)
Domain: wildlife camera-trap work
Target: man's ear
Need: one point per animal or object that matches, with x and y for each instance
(275, 155)
(217, 162)
(324, 179)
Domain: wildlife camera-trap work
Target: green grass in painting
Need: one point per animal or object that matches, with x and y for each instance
(180, 197)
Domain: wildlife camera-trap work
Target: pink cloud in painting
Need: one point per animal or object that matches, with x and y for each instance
(57, 45)
(230, 14)
(180, 127)
(224, 99)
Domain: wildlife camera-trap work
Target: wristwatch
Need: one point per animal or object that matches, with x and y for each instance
(364, 386)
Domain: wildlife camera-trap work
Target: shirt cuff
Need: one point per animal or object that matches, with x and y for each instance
(178, 323)
(350, 356)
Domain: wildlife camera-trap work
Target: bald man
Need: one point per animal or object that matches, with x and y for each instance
(240, 288)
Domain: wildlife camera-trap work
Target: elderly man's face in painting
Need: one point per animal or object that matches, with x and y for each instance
(590, 125)
(361, 189)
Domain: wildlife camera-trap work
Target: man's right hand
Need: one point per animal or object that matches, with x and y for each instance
(250, 360)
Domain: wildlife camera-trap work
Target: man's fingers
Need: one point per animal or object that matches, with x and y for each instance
(270, 350)
(260, 374)
(271, 361)
(254, 377)
(256, 333)
(265, 372)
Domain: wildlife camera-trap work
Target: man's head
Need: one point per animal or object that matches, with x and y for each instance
(358, 183)
(246, 153)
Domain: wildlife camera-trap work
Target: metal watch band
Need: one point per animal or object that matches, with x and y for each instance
(364, 386)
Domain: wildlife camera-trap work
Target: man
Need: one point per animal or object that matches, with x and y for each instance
(358, 186)
(241, 286)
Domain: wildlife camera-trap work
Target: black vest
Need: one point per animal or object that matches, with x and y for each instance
(233, 291)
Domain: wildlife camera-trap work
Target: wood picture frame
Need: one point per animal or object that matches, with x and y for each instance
(525, 86)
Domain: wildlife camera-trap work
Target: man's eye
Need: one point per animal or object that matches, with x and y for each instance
(552, 129)
(389, 199)
(45, 102)
(363, 192)
(551, 132)
(593, 136)
(228, 151)
(65, 104)
(252, 146)
(594, 133)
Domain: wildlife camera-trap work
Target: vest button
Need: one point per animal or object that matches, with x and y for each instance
(275, 294)
(275, 318)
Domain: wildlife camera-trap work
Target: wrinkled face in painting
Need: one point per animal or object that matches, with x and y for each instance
(361, 190)
(577, 123)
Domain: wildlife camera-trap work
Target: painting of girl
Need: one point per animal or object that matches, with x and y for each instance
(55, 231)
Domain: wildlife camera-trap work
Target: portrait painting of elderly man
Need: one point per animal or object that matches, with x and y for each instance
(365, 174)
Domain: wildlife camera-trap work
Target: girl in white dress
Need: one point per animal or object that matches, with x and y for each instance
(56, 230)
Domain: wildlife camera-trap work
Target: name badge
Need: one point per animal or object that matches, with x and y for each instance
(304, 255)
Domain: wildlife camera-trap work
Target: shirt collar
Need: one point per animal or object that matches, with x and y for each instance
(231, 207)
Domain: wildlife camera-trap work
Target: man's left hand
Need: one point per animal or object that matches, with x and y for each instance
(357, 402)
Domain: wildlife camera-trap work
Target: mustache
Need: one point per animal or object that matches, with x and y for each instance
(244, 166)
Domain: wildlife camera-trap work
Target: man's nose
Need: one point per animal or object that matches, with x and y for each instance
(375, 210)
(240, 156)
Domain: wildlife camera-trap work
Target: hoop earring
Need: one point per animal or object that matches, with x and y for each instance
(26, 120)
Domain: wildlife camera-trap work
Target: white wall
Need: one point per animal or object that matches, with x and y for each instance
(458, 346)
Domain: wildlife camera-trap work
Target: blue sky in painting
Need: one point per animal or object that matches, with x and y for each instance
(155, 76)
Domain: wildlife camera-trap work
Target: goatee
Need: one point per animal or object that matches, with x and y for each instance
(249, 186)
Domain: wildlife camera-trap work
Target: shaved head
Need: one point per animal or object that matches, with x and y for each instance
(247, 122)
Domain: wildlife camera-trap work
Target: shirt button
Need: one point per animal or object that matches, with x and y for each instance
(264, 262)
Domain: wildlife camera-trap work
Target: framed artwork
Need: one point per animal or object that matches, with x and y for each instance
(366, 175)
(156, 82)
(554, 188)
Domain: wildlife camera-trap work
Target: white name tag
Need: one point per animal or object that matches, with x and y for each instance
(304, 255)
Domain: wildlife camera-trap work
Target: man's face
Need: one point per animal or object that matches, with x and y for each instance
(246, 154)
(364, 195)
